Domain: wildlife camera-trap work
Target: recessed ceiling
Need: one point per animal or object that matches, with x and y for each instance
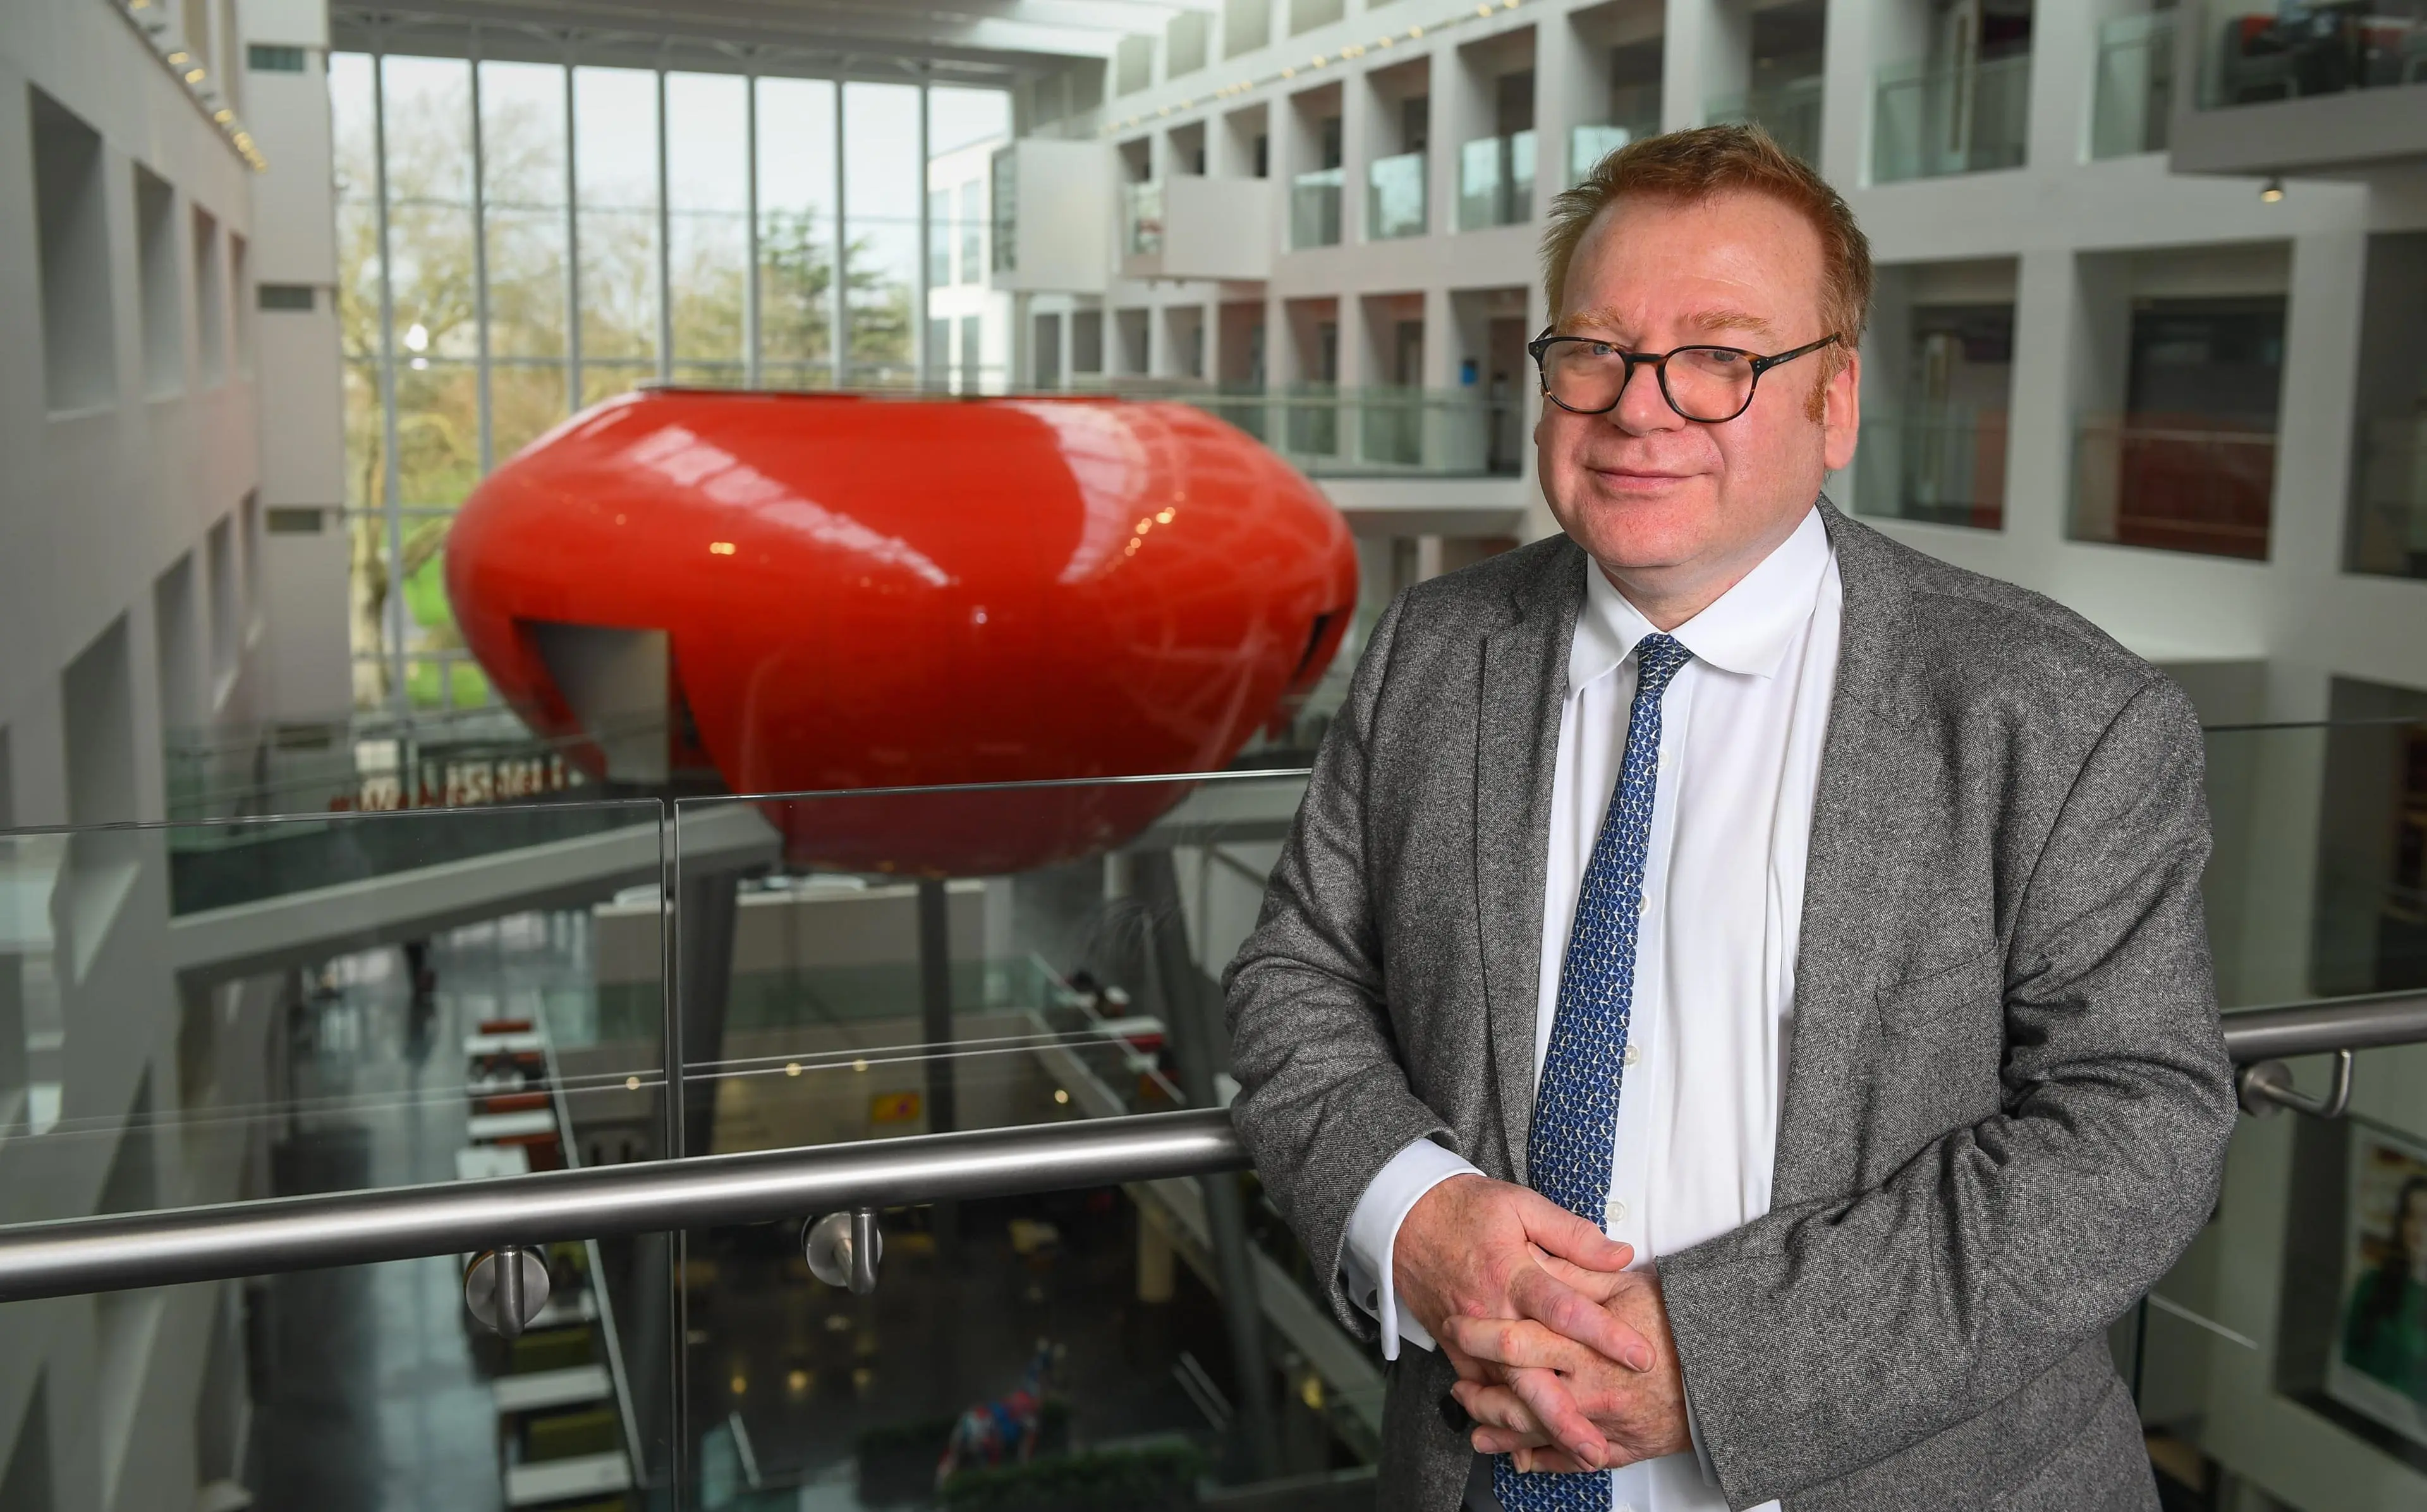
(949, 41)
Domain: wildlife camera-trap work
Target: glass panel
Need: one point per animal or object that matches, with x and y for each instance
(708, 221)
(2136, 84)
(1395, 197)
(796, 225)
(2388, 485)
(882, 182)
(1788, 110)
(522, 148)
(266, 1008)
(2286, 1348)
(922, 961)
(615, 157)
(1967, 119)
(1314, 208)
(2143, 480)
(1495, 181)
(525, 401)
(2298, 53)
(1142, 217)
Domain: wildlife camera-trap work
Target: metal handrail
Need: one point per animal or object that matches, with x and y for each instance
(2322, 1028)
(75, 1256)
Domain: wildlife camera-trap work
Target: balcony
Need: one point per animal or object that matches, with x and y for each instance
(1194, 227)
(1314, 207)
(1932, 121)
(1052, 219)
(1589, 145)
(2323, 89)
(1788, 110)
(2176, 483)
(1378, 432)
(1395, 192)
(1940, 466)
(1495, 181)
(2135, 89)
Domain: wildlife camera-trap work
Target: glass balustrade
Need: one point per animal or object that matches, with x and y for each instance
(2180, 483)
(1142, 218)
(2135, 88)
(335, 1003)
(1495, 181)
(1934, 121)
(2389, 515)
(1589, 145)
(1395, 197)
(2251, 56)
(1314, 207)
(2286, 1351)
(829, 970)
(1789, 110)
(1947, 467)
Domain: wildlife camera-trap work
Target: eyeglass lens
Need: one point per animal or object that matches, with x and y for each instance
(1709, 384)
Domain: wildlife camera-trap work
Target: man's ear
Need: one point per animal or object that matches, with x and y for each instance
(1841, 413)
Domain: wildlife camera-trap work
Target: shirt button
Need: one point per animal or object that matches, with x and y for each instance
(1616, 1210)
(1634, 1054)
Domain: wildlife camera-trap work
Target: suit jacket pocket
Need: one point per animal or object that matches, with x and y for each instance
(1976, 982)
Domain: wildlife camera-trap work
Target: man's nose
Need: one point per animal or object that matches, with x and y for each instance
(1642, 407)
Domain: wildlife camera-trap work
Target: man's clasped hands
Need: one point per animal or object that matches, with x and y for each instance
(1564, 1357)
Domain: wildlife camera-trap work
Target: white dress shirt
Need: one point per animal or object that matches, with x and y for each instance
(1740, 734)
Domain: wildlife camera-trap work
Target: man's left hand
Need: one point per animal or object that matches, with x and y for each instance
(1642, 1414)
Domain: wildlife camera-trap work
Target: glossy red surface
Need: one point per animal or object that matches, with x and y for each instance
(864, 592)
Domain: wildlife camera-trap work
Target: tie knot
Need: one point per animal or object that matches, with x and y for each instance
(1656, 659)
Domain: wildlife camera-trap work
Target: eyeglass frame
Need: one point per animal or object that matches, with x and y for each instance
(1541, 345)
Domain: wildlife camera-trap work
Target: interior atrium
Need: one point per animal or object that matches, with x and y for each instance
(600, 587)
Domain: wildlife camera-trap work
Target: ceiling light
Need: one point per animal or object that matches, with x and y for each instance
(179, 58)
(2272, 193)
(194, 76)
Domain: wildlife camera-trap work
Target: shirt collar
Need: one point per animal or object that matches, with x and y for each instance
(1745, 631)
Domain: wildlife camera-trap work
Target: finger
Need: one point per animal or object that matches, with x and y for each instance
(1547, 1461)
(1571, 1314)
(1491, 1441)
(1548, 1399)
(1601, 1286)
(1517, 1342)
(1561, 1232)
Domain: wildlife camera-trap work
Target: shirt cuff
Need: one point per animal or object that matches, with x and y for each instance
(1374, 1233)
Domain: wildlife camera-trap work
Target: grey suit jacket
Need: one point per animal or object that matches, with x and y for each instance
(2006, 1098)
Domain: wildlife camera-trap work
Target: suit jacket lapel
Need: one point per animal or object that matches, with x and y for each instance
(1835, 953)
(1525, 679)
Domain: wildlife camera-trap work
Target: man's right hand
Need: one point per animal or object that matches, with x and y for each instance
(1473, 1247)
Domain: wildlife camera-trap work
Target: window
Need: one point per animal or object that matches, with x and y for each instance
(1246, 25)
(796, 231)
(972, 226)
(708, 223)
(71, 226)
(1133, 65)
(284, 297)
(939, 238)
(210, 301)
(156, 272)
(268, 58)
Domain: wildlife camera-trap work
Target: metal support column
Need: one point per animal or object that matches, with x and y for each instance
(479, 293)
(751, 376)
(391, 471)
(572, 254)
(838, 309)
(665, 247)
(926, 249)
(1186, 1016)
(935, 1028)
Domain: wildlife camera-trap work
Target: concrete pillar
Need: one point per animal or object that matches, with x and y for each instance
(1707, 52)
(2047, 386)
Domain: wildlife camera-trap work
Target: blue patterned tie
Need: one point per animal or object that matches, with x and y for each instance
(1575, 1130)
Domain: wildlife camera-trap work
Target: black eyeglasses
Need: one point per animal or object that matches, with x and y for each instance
(1585, 375)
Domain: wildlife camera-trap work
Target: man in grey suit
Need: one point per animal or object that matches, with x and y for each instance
(1736, 999)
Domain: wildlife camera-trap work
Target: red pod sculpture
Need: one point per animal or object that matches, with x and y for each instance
(834, 592)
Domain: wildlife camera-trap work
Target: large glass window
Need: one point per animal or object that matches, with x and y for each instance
(708, 223)
(616, 169)
(522, 150)
(882, 180)
(587, 274)
(796, 227)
